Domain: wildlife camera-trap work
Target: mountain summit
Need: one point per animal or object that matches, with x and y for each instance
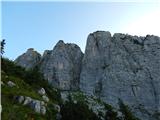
(114, 67)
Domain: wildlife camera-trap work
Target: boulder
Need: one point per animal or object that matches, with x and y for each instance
(37, 106)
(42, 91)
(11, 84)
(42, 103)
(57, 107)
(45, 98)
(43, 110)
(20, 99)
(27, 101)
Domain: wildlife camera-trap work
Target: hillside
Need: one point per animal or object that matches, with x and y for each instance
(117, 78)
(18, 84)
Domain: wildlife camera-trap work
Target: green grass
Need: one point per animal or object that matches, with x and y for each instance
(21, 87)
(14, 111)
(27, 84)
(78, 96)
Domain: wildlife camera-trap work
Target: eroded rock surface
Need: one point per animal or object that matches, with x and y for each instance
(29, 59)
(62, 65)
(125, 67)
(113, 67)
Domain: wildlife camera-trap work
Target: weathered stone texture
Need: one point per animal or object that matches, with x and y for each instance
(122, 66)
(62, 65)
(29, 59)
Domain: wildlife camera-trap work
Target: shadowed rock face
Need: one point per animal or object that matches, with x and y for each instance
(62, 65)
(125, 67)
(29, 59)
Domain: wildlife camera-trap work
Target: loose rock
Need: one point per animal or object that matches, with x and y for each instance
(11, 84)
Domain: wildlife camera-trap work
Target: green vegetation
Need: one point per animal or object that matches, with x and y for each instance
(127, 114)
(77, 111)
(78, 96)
(2, 46)
(110, 113)
(27, 83)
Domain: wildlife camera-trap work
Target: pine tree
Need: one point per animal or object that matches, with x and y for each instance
(2, 46)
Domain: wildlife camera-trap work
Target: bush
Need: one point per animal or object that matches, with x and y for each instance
(127, 114)
(110, 114)
(77, 111)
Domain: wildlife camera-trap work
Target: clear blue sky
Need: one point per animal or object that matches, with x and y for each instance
(40, 25)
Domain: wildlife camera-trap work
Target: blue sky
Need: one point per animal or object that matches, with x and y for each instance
(40, 25)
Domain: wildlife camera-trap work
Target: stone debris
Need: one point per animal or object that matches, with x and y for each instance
(11, 84)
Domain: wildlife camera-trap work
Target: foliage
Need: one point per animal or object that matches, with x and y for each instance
(2, 46)
(51, 112)
(13, 111)
(77, 111)
(110, 113)
(27, 83)
(127, 114)
(10, 68)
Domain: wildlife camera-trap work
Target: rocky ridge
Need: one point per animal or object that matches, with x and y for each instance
(62, 65)
(29, 59)
(113, 67)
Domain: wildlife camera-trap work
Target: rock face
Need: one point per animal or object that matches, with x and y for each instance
(123, 67)
(29, 59)
(62, 65)
(113, 67)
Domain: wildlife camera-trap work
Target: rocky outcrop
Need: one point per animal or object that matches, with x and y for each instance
(123, 67)
(113, 67)
(37, 105)
(42, 91)
(11, 84)
(29, 59)
(61, 66)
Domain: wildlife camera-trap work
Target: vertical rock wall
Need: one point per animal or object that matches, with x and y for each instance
(122, 67)
(62, 65)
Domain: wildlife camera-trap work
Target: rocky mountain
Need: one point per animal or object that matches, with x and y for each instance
(62, 65)
(113, 68)
(29, 59)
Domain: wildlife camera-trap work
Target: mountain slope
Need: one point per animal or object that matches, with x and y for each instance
(18, 86)
(119, 67)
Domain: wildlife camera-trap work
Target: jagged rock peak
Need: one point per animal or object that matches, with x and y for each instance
(61, 66)
(123, 67)
(29, 59)
(30, 49)
(62, 44)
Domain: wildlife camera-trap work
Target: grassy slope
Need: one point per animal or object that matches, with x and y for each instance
(11, 110)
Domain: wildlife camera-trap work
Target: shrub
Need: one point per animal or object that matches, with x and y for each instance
(127, 114)
(77, 111)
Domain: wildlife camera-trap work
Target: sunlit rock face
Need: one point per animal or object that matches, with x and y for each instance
(29, 59)
(62, 65)
(113, 67)
(123, 67)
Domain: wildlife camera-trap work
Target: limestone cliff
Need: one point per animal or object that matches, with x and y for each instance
(123, 67)
(29, 59)
(62, 65)
(113, 67)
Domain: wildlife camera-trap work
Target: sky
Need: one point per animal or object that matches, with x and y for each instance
(40, 25)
